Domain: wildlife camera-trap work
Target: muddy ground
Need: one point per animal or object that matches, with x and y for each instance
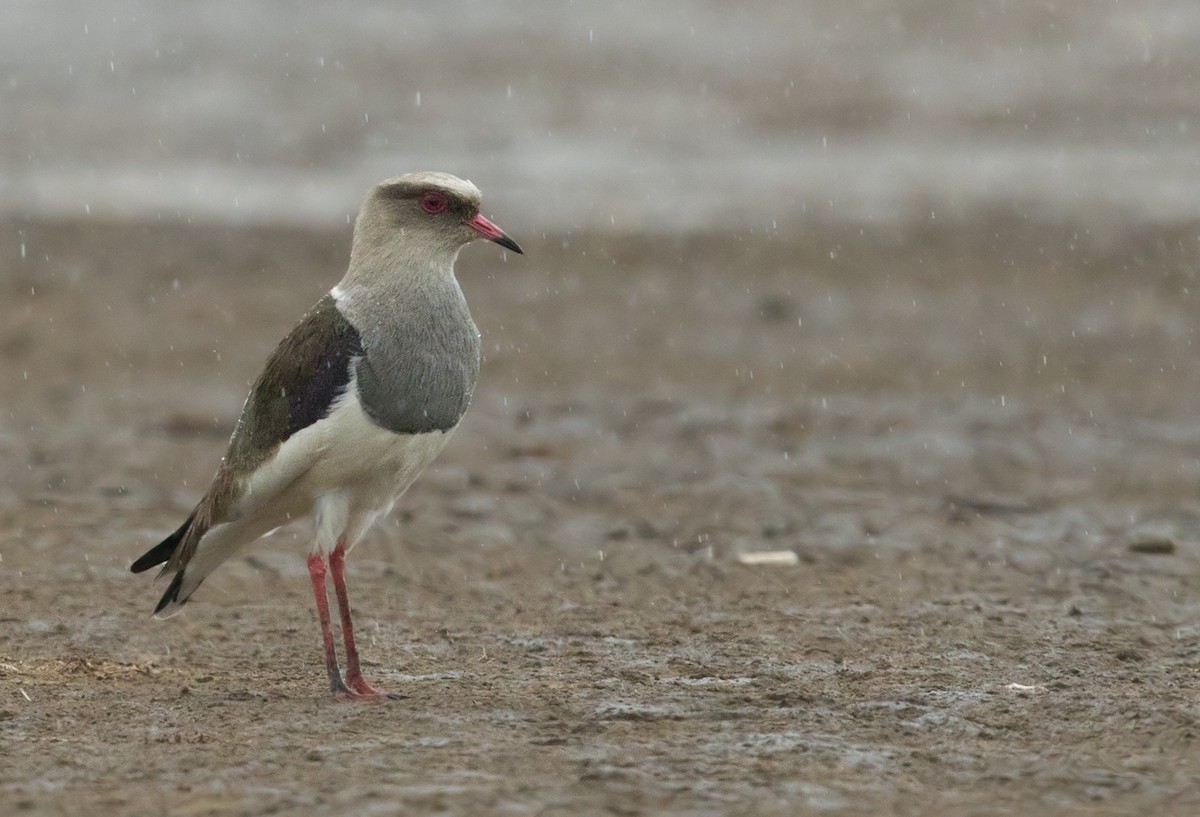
(981, 443)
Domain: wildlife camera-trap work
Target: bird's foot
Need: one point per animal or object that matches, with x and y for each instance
(355, 688)
(350, 695)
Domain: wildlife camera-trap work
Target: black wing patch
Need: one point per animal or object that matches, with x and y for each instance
(302, 379)
(327, 380)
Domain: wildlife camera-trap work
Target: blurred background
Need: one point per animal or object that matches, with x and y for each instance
(621, 117)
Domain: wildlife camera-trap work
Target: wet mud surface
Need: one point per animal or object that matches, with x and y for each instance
(983, 451)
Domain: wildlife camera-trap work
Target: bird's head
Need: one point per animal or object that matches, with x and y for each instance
(435, 212)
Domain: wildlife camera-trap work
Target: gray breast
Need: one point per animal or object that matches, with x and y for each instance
(419, 364)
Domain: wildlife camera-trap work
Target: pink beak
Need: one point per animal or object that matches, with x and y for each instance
(493, 233)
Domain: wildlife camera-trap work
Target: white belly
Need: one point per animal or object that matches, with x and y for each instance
(344, 469)
(350, 491)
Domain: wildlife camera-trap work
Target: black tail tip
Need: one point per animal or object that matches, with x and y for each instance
(147, 561)
(164, 550)
(172, 594)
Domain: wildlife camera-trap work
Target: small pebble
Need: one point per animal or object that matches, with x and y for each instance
(1153, 545)
(774, 558)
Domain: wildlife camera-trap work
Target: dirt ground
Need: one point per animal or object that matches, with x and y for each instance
(981, 443)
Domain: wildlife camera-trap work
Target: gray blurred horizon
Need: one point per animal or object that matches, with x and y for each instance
(622, 117)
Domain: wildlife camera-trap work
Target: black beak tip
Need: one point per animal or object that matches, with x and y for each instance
(509, 244)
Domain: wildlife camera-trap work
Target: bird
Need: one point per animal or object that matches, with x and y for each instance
(351, 406)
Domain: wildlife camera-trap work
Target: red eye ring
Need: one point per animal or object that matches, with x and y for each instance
(434, 203)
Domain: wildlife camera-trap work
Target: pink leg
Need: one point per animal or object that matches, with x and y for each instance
(354, 678)
(316, 571)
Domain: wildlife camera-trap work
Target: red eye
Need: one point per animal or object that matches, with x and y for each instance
(434, 203)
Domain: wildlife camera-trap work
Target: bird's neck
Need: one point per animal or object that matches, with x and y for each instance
(397, 268)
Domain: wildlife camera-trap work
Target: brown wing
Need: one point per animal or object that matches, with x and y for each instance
(302, 379)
